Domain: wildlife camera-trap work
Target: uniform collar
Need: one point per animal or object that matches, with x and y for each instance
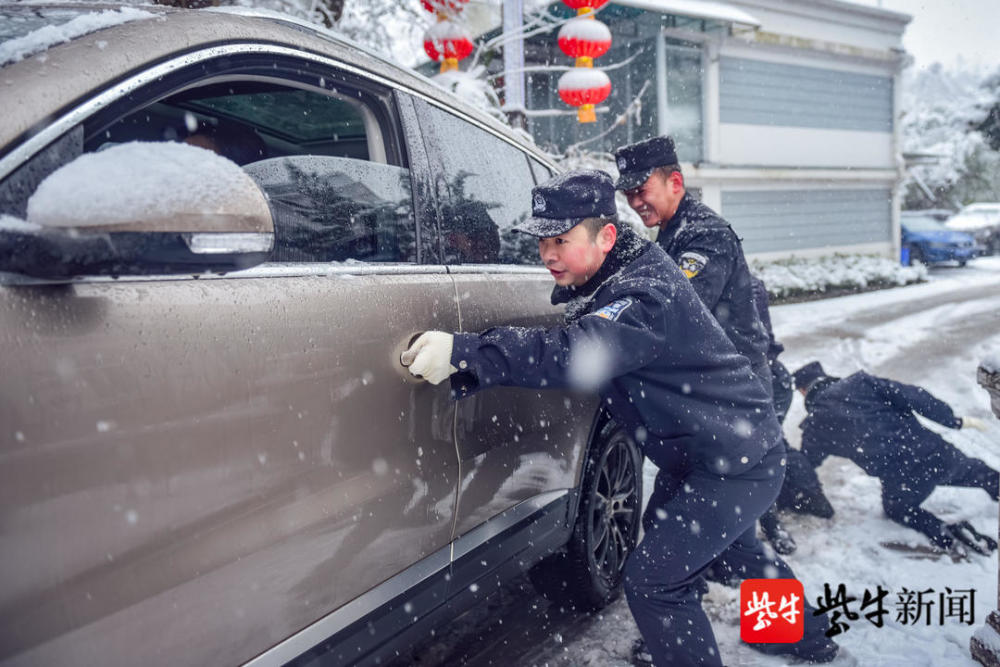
(676, 221)
(628, 246)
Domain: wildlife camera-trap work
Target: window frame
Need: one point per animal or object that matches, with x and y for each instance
(288, 69)
(434, 153)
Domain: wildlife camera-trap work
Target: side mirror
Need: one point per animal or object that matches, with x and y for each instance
(140, 209)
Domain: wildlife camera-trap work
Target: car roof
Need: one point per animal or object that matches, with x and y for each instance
(928, 212)
(54, 81)
(989, 207)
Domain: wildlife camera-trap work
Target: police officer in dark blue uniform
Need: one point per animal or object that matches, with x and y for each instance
(637, 333)
(702, 244)
(870, 421)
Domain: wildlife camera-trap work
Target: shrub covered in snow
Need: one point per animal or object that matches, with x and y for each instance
(796, 276)
(992, 362)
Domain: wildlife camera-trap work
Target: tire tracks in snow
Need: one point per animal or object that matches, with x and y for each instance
(945, 323)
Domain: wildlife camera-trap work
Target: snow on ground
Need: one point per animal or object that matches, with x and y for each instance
(919, 338)
(798, 276)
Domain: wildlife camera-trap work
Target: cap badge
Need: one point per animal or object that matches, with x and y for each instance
(622, 163)
(539, 203)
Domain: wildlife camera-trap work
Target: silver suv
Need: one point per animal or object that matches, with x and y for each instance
(217, 232)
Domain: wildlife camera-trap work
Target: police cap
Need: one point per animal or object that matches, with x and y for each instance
(637, 161)
(565, 201)
(805, 376)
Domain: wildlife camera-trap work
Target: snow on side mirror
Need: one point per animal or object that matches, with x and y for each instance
(140, 209)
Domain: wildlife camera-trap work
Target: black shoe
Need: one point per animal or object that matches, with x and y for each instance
(812, 651)
(783, 543)
(814, 503)
(776, 534)
(641, 657)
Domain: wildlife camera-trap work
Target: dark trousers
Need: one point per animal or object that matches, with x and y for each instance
(802, 491)
(693, 522)
(902, 496)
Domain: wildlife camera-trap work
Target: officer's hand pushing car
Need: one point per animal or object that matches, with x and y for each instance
(638, 334)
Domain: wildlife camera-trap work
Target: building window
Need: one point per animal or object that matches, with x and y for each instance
(754, 92)
(787, 220)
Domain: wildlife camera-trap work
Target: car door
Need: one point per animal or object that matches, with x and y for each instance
(514, 444)
(194, 470)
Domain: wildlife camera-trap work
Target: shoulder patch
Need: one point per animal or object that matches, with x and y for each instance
(613, 310)
(692, 263)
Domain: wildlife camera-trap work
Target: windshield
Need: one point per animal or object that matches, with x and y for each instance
(921, 223)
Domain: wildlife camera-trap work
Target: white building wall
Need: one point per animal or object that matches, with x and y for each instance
(767, 146)
(784, 182)
(852, 25)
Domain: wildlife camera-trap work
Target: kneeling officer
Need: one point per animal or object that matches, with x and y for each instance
(637, 332)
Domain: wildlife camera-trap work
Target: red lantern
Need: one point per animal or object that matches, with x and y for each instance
(585, 6)
(584, 87)
(447, 43)
(444, 6)
(584, 38)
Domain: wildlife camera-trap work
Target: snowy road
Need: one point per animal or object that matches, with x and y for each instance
(931, 334)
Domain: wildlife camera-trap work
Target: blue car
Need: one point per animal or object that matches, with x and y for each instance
(927, 240)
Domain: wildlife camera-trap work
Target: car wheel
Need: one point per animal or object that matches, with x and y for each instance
(588, 574)
(916, 255)
(963, 262)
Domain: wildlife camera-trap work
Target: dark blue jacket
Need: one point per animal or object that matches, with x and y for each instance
(870, 421)
(707, 249)
(638, 334)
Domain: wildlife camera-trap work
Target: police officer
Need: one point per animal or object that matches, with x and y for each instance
(870, 421)
(669, 375)
(702, 244)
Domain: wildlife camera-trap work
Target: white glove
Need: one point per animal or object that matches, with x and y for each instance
(974, 422)
(430, 356)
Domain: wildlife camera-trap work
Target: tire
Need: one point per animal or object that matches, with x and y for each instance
(916, 255)
(588, 574)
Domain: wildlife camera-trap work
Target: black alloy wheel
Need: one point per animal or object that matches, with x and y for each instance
(589, 574)
(613, 509)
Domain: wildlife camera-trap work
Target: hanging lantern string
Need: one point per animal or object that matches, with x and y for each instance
(584, 38)
(446, 42)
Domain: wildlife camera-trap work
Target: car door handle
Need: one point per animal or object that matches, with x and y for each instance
(401, 362)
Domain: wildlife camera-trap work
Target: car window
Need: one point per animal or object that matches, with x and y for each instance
(333, 208)
(922, 223)
(321, 153)
(17, 188)
(323, 145)
(484, 188)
